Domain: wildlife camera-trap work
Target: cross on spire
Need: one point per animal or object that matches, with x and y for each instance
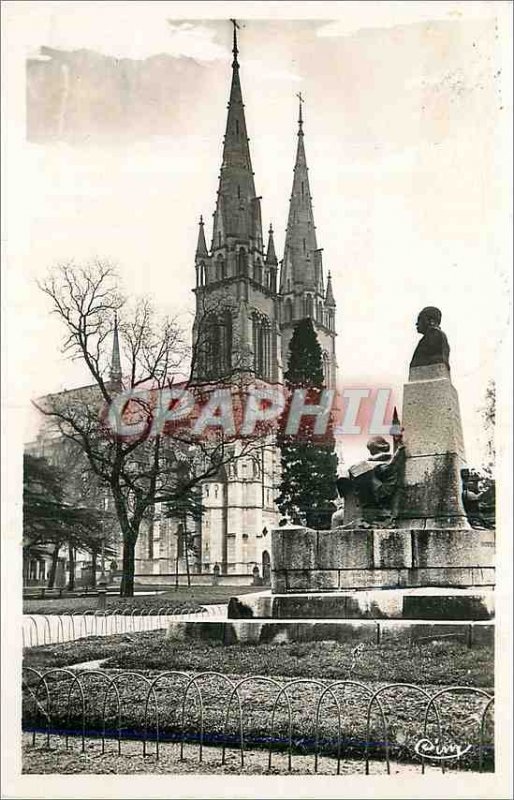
(235, 51)
(301, 101)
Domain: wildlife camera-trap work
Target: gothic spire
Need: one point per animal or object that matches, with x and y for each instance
(236, 214)
(329, 297)
(235, 50)
(115, 369)
(302, 259)
(271, 257)
(201, 247)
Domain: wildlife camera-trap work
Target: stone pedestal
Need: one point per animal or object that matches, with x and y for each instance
(432, 493)
(373, 585)
(304, 560)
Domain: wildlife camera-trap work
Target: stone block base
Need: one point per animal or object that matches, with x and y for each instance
(397, 632)
(412, 604)
(291, 581)
(306, 560)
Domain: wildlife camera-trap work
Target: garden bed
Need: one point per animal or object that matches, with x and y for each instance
(130, 659)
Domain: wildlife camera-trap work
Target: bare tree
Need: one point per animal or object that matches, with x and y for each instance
(149, 465)
(488, 412)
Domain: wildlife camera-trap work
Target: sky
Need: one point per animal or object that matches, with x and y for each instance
(117, 153)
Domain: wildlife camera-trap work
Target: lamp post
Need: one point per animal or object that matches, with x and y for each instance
(102, 581)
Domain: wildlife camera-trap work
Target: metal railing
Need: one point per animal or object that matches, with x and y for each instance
(43, 629)
(336, 720)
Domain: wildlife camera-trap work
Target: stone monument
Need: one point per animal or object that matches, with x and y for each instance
(401, 561)
(431, 496)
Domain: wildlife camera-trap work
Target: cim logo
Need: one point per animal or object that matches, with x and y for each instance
(426, 748)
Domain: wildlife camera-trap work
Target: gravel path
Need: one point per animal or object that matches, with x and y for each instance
(40, 760)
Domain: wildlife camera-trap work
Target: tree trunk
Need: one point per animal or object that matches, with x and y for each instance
(53, 566)
(128, 566)
(71, 579)
(94, 556)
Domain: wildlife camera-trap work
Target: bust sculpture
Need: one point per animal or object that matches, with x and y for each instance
(433, 348)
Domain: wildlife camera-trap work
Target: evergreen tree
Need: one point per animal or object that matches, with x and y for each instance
(49, 520)
(308, 460)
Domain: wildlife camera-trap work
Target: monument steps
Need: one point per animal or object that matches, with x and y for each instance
(387, 631)
(426, 603)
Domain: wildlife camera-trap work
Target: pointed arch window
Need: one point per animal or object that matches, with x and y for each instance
(326, 369)
(273, 280)
(201, 273)
(262, 346)
(288, 310)
(308, 306)
(220, 268)
(216, 354)
(242, 262)
(257, 271)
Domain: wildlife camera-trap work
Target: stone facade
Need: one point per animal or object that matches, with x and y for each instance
(239, 515)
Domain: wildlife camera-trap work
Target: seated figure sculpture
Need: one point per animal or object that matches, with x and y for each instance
(433, 347)
(374, 484)
(479, 504)
(338, 516)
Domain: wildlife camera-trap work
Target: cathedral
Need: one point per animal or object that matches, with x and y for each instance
(247, 304)
(245, 316)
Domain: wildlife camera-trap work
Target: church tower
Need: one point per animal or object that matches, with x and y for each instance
(236, 335)
(236, 323)
(302, 288)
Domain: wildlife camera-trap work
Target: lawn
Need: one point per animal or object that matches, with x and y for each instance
(436, 663)
(184, 598)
